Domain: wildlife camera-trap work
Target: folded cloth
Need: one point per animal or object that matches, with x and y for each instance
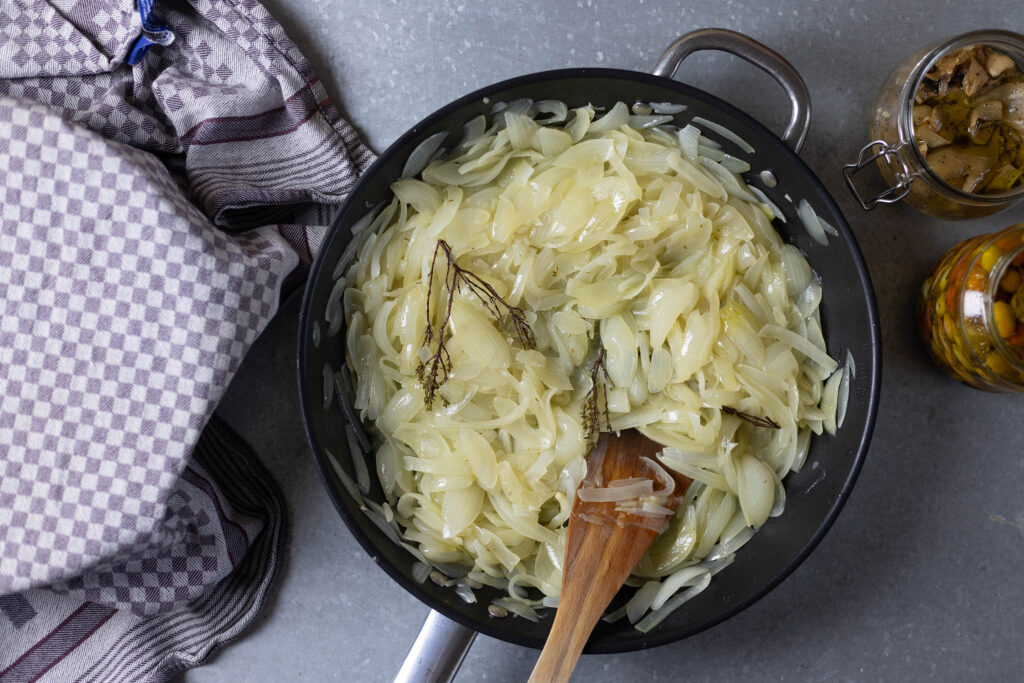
(164, 173)
(232, 508)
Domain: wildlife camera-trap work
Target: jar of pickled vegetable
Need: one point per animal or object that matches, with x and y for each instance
(972, 311)
(947, 128)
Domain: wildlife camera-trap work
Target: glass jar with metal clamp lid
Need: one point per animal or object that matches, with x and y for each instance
(947, 128)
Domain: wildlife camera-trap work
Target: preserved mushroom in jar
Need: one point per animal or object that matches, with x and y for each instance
(972, 311)
(968, 120)
(947, 128)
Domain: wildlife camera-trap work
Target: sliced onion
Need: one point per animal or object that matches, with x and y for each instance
(422, 154)
(616, 117)
(360, 226)
(667, 107)
(641, 121)
(577, 128)
(460, 508)
(776, 211)
(420, 571)
(351, 417)
(616, 494)
(657, 616)
(734, 164)
(556, 108)
(595, 464)
(346, 481)
(755, 484)
(842, 400)
(687, 576)
(828, 227)
(830, 400)
(641, 601)
(520, 130)
(811, 222)
(689, 141)
(519, 106)
(358, 460)
(625, 482)
(719, 564)
(659, 374)
(731, 545)
(725, 133)
(801, 344)
(333, 315)
(463, 590)
(807, 302)
(653, 509)
(728, 179)
(780, 499)
(797, 270)
(664, 477)
(713, 153)
(520, 609)
(803, 445)
(473, 130)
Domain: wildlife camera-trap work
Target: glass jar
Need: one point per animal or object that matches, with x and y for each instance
(895, 151)
(971, 311)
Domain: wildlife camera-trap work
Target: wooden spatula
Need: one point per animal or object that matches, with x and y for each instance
(602, 548)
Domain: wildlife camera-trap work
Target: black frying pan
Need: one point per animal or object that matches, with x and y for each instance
(849, 317)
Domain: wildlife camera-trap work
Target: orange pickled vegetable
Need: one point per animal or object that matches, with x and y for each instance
(1018, 336)
(1008, 243)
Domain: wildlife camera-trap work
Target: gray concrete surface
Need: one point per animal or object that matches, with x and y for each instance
(920, 578)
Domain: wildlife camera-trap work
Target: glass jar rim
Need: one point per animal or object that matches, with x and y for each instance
(1004, 41)
(995, 277)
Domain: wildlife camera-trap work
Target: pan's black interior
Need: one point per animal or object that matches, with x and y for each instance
(814, 495)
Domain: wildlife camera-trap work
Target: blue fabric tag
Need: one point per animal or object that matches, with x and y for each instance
(153, 33)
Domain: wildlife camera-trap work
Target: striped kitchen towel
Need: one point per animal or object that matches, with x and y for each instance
(166, 171)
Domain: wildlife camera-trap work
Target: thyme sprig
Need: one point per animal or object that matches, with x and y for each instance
(765, 422)
(436, 370)
(595, 406)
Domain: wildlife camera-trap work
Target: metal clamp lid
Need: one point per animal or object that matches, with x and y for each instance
(897, 165)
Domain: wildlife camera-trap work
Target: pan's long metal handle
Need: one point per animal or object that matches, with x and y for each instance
(757, 54)
(438, 652)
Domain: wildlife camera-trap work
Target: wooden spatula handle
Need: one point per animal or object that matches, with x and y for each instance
(560, 654)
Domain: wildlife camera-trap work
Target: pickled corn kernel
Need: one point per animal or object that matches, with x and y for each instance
(990, 256)
(949, 327)
(998, 364)
(1010, 282)
(1006, 321)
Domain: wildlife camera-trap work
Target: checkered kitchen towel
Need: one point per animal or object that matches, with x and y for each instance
(137, 534)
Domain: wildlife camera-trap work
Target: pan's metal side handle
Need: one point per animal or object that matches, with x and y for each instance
(757, 54)
(438, 651)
